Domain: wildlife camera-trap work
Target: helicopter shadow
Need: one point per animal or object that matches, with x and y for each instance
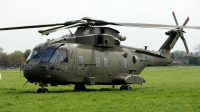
(87, 90)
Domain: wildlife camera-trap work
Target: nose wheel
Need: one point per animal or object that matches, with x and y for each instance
(42, 89)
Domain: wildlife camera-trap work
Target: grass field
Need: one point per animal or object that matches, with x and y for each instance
(167, 89)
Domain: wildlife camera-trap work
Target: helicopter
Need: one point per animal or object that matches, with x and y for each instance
(93, 55)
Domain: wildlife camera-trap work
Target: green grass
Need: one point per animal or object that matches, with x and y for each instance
(167, 89)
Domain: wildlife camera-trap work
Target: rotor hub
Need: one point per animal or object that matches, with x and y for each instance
(87, 18)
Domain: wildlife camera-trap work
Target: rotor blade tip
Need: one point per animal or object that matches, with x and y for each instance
(173, 12)
(187, 52)
(188, 18)
(40, 31)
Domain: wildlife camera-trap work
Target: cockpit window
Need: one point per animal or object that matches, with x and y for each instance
(62, 57)
(48, 56)
(59, 56)
(43, 55)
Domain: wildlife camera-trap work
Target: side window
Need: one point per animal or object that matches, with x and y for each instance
(125, 63)
(98, 61)
(63, 57)
(80, 61)
(106, 64)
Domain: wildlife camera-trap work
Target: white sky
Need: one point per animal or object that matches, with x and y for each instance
(34, 12)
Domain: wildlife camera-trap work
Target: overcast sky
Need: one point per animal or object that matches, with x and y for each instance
(34, 12)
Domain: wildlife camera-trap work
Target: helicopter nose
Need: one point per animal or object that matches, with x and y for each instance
(45, 71)
(32, 70)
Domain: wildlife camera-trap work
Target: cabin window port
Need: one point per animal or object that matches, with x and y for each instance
(106, 63)
(125, 63)
(98, 61)
(80, 61)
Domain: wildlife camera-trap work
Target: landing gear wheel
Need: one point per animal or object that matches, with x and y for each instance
(79, 87)
(76, 87)
(42, 89)
(45, 90)
(129, 88)
(39, 90)
(82, 87)
(123, 87)
(126, 87)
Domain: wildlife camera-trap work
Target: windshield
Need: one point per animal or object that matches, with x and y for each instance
(41, 54)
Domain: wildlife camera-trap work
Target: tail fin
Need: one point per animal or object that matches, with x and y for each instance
(169, 43)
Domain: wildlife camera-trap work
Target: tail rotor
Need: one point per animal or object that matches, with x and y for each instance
(180, 31)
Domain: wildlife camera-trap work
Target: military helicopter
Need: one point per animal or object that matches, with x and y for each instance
(93, 55)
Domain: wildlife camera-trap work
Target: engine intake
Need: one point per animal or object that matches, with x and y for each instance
(122, 37)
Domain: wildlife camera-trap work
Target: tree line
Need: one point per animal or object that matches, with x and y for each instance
(14, 59)
(187, 59)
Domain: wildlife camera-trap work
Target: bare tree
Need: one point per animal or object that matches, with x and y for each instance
(197, 48)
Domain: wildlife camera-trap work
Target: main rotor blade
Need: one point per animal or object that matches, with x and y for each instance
(185, 44)
(31, 26)
(175, 18)
(186, 21)
(153, 25)
(48, 31)
(70, 22)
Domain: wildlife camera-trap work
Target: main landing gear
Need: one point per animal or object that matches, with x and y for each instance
(126, 87)
(42, 89)
(79, 87)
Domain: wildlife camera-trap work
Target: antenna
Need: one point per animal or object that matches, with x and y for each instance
(145, 47)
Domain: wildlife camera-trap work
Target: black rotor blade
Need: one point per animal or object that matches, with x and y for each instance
(185, 44)
(102, 22)
(186, 21)
(31, 26)
(48, 31)
(99, 22)
(175, 18)
(71, 22)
